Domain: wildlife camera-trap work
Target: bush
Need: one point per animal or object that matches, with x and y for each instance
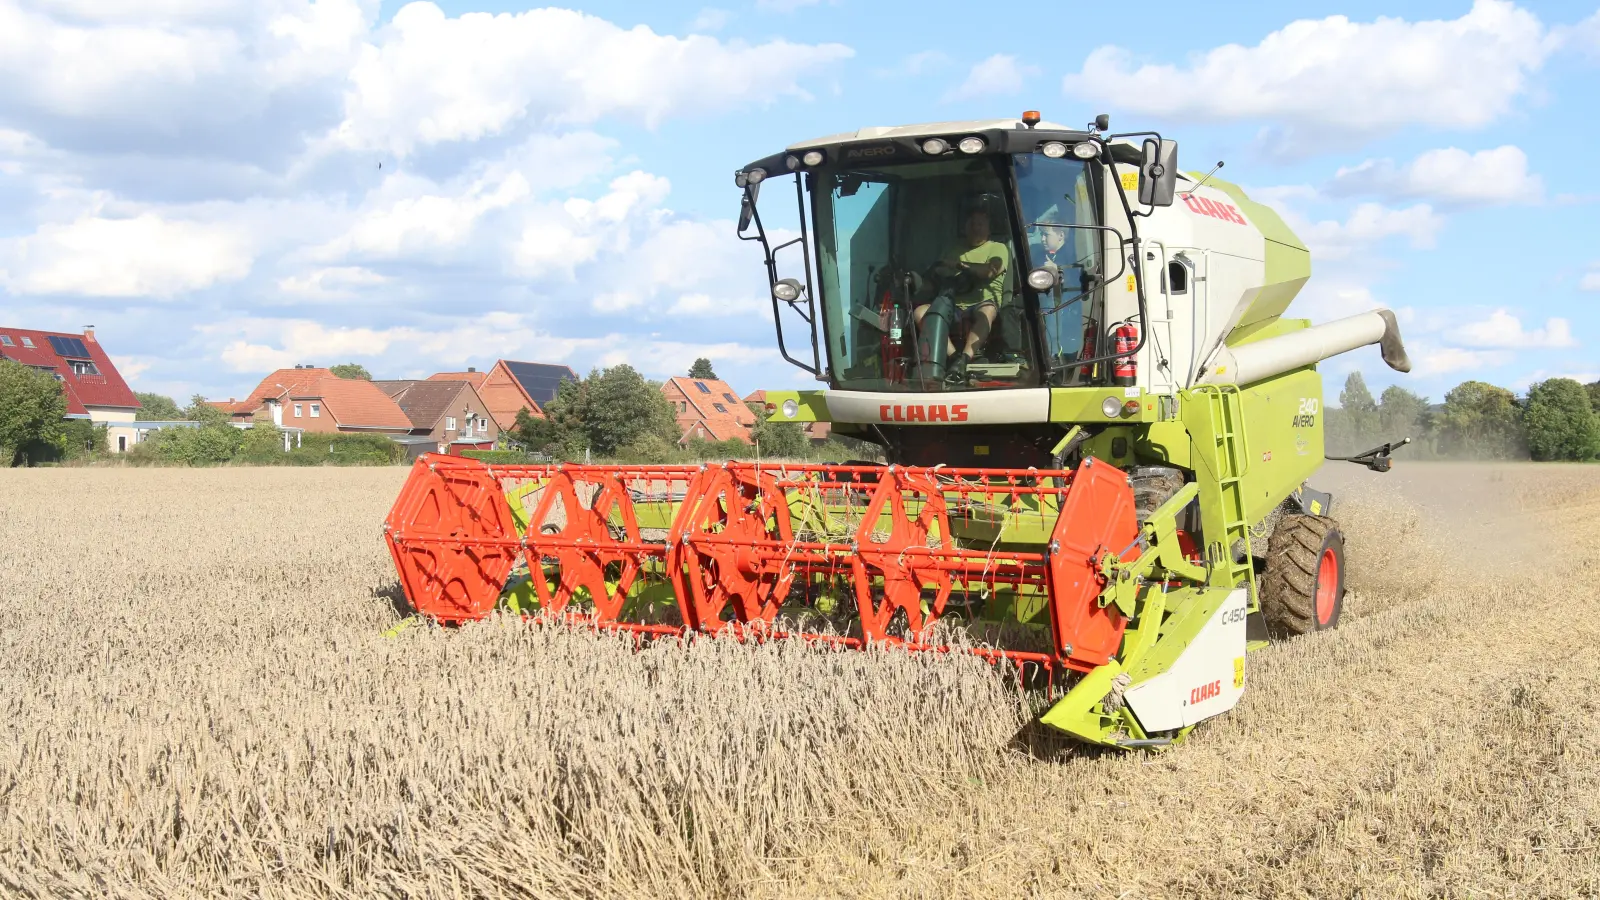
(207, 446)
(505, 457)
(345, 450)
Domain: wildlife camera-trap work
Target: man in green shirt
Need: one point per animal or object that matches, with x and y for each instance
(975, 272)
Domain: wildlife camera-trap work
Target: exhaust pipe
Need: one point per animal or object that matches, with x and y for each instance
(1250, 363)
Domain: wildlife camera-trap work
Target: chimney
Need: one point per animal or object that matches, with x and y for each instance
(471, 369)
(88, 333)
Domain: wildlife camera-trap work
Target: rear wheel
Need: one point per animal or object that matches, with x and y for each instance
(1302, 589)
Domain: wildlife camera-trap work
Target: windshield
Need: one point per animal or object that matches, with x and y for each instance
(1059, 199)
(921, 277)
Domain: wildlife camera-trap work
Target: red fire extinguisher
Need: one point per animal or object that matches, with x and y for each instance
(1091, 346)
(1125, 368)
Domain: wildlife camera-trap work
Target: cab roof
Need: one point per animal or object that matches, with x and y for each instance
(928, 129)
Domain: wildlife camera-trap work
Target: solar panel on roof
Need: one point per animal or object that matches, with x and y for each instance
(540, 380)
(69, 347)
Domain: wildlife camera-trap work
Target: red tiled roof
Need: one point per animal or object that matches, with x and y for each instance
(275, 386)
(733, 420)
(475, 378)
(503, 394)
(105, 389)
(355, 403)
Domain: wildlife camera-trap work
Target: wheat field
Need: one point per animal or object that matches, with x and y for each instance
(197, 699)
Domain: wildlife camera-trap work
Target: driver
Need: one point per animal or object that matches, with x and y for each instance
(976, 271)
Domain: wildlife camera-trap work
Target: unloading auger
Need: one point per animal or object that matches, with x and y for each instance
(1097, 421)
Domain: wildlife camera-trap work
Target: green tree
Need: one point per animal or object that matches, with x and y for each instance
(157, 408)
(1594, 395)
(1481, 421)
(532, 432)
(1561, 423)
(701, 369)
(200, 411)
(778, 439)
(619, 408)
(354, 371)
(32, 405)
(1400, 414)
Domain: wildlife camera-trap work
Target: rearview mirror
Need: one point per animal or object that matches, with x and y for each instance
(747, 205)
(1158, 173)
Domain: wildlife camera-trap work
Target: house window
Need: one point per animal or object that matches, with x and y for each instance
(297, 410)
(83, 367)
(6, 340)
(316, 410)
(719, 407)
(699, 384)
(683, 406)
(27, 342)
(449, 423)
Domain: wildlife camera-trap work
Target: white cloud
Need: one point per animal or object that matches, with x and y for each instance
(1337, 79)
(999, 75)
(140, 256)
(1503, 331)
(263, 344)
(1448, 176)
(434, 79)
(334, 283)
(1368, 224)
(1430, 359)
(203, 77)
(1522, 384)
(710, 20)
(1584, 36)
(1590, 281)
(919, 63)
(424, 223)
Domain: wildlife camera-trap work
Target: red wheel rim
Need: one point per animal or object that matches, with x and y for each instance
(1327, 585)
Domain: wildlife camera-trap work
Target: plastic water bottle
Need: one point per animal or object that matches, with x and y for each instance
(897, 323)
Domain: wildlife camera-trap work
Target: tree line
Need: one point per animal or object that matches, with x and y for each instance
(1558, 419)
(617, 414)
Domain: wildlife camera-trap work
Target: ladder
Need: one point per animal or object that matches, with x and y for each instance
(1227, 451)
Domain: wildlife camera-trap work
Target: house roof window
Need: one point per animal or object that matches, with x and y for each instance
(699, 384)
(719, 407)
(730, 398)
(5, 339)
(27, 342)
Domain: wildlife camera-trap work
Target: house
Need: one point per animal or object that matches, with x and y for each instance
(93, 388)
(816, 432)
(308, 399)
(708, 409)
(450, 413)
(511, 386)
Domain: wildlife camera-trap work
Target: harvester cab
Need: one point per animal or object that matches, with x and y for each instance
(1096, 420)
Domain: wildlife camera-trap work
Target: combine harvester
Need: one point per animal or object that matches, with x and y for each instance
(1098, 424)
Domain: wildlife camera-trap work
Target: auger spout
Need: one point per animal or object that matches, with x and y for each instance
(1250, 363)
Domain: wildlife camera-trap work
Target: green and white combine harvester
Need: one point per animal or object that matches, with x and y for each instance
(1098, 424)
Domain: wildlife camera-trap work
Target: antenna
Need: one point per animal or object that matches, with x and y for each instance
(1202, 181)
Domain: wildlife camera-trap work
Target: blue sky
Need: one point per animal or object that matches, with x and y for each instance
(222, 187)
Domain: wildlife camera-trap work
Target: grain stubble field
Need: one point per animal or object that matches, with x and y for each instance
(197, 700)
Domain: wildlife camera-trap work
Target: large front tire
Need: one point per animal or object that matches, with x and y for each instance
(1302, 589)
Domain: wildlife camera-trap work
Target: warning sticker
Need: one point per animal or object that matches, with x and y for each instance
(1130, 181)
